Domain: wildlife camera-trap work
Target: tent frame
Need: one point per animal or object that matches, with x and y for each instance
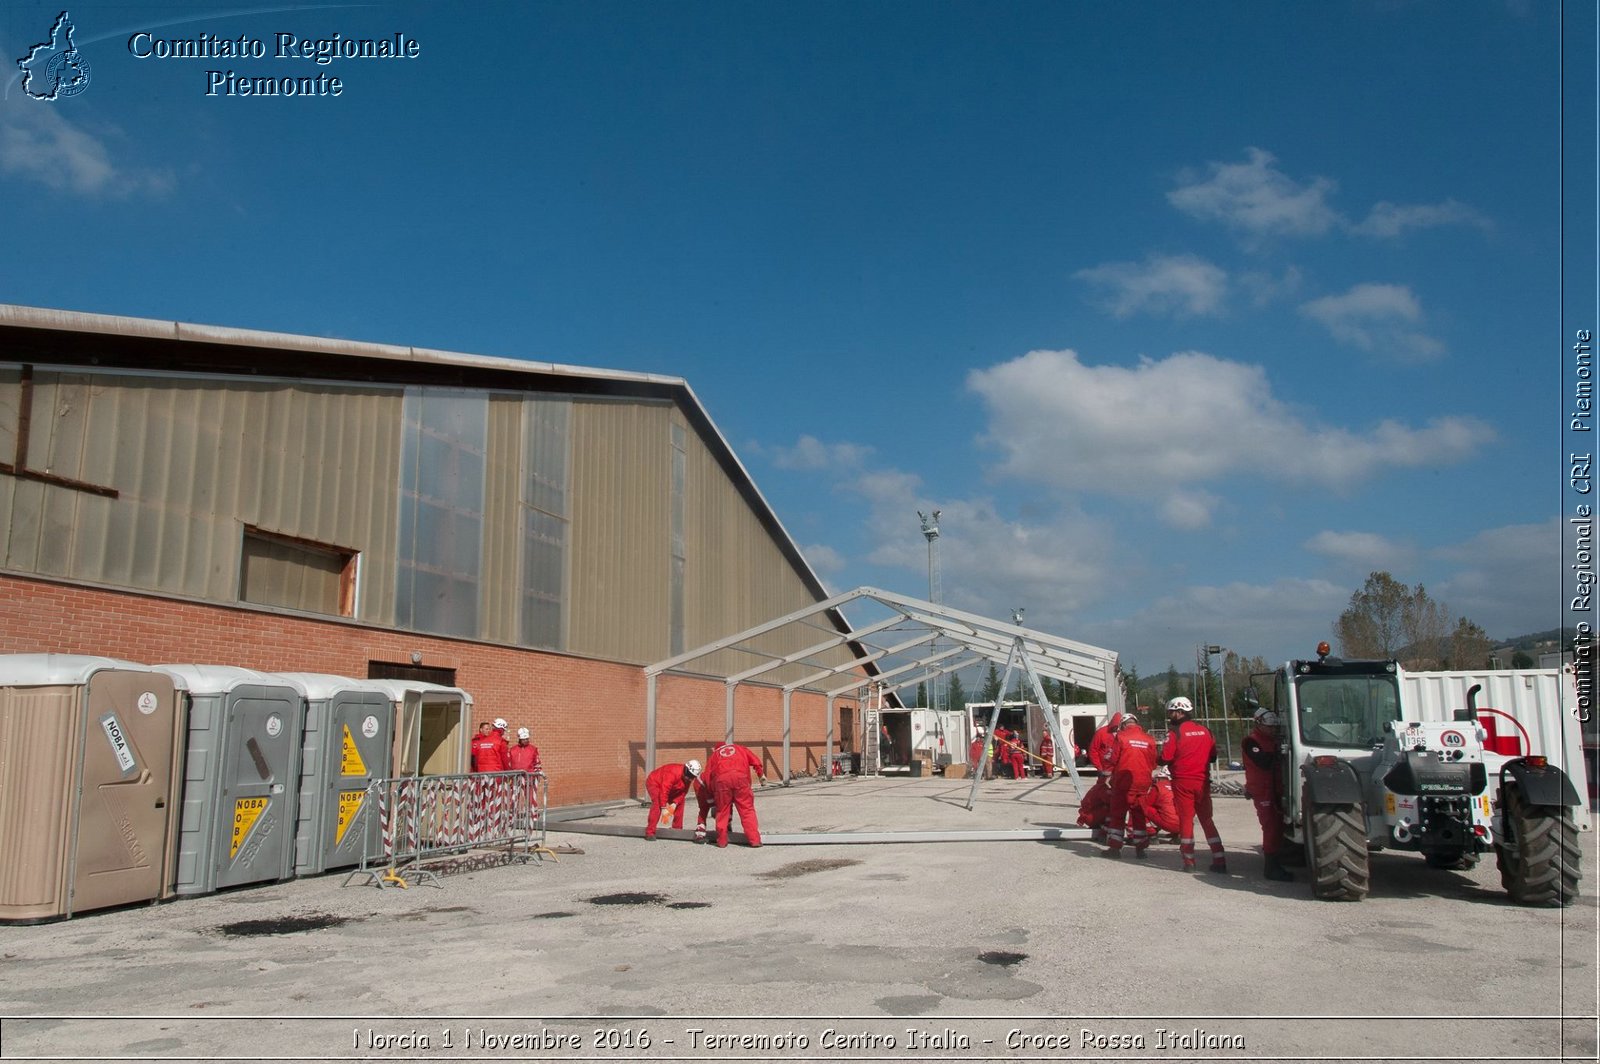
(958, 640)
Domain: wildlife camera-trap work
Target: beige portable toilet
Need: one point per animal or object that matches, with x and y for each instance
(90, 758)
(241, 777)
(348, 743)
(431, 726)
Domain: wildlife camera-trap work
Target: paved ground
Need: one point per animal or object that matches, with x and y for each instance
(955, 950)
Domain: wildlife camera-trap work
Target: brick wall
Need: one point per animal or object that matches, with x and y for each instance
(587, 717)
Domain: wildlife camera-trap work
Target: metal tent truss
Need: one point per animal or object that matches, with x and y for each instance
(915, 642)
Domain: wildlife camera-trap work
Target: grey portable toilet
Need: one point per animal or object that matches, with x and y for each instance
(90, 749)
(431, 727)
(349, 733)
(241, 777)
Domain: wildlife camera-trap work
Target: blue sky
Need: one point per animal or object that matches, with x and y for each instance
(1186, 316)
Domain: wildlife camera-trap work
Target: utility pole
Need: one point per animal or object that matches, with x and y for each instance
(930, 531)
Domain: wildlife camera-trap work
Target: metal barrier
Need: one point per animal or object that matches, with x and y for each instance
(422, 818)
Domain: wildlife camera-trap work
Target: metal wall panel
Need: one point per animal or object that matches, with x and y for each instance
(735, 576)
(193, 460)
(618, 543)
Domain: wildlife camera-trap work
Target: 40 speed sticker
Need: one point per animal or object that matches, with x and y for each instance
(246, 811)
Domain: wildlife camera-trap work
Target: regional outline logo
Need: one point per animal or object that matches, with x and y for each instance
(66, 71)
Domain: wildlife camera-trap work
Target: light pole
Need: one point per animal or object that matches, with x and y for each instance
(930, 532)
(1227, 736)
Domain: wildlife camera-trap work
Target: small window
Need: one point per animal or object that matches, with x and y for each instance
(297, 574)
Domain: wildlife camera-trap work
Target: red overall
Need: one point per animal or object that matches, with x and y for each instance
(1100, 749)
(728, 773)
(488, 753)
(1159, 807)
(1261, 772)
(1095, 805)
(669, 786)
(1133, 760)
(1189, 750)
(1047, 756)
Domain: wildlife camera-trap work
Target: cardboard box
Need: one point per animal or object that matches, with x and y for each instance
(955, 772)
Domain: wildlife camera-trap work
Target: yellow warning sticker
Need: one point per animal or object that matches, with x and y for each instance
(245, 813)
(350, 763)
(349, 806)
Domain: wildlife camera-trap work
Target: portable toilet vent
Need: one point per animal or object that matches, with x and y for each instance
(241, 777)
(348, 743)
(431, 725)
(89, 756)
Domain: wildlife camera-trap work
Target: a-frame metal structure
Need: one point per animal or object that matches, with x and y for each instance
(886, 652)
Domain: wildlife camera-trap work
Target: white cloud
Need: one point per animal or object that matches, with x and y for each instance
(1257, 199)
(1361, 551)
(1169, 426)
(810, 453)
(1264, 288)
(1508, 579)
(824, 560)
(37, 144)
(1280, 620)
(1181, 285)
(1391, 219)
(1188, 510)
(1381, 318)
(990, 562)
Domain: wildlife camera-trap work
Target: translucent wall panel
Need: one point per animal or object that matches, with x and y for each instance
(545, 521)
(441, 511)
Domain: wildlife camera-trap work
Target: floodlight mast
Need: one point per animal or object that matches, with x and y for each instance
(930, 531)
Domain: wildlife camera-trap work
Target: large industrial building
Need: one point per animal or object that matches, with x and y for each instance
(535, 534)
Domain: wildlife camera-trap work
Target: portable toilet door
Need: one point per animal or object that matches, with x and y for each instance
(89, 751)
(241, 777)
(349, 734)
(431, 724)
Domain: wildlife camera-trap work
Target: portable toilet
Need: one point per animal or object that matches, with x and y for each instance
(90, 750)
(240, 779)
(348, 743)
(431, 727)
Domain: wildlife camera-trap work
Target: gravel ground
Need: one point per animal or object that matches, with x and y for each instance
(955, 950)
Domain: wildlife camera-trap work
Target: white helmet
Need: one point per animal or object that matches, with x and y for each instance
(500, 723)
(1266, 718)
(522, 733)
(692, 767)
(1180, 705)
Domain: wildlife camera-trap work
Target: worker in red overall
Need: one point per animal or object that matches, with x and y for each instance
(1188, 752)
(1133, 761)
(488, 750)
(975, 752)
(668, 788)
(1160, 810)
(1017, 752)
(1262, 771)
(729, 776)
(1047, 755)
(1097, 803)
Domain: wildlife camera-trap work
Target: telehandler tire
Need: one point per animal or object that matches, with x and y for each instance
(1539, 853)
(1336, 852)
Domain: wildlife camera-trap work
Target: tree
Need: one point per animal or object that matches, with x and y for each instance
(1521, 660)
(1173, 690)
(1370, 626)
(922, 694)
(956, 695)
(1469, 646)
(1387, 619)
(990, 692)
